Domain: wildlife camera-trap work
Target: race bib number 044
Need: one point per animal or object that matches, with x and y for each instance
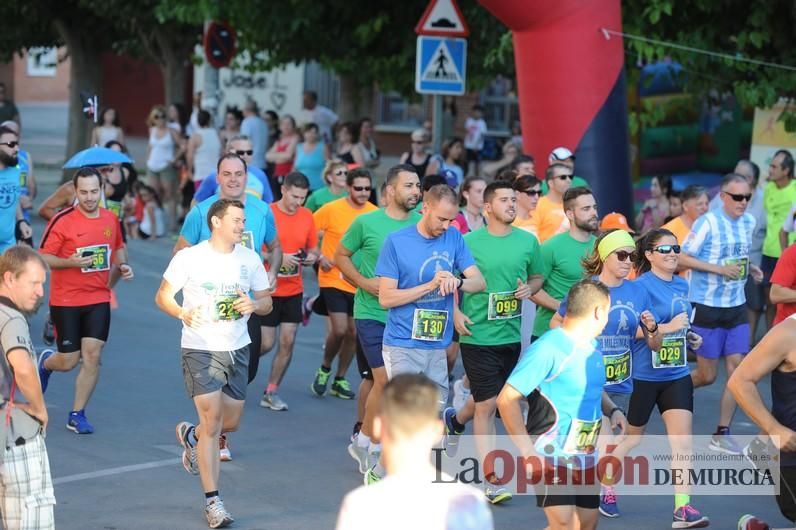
(100, 258)
(617, 368)
(429, 324)
(503, 306)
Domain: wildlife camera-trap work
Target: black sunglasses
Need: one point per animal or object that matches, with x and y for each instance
(565, 177)
(532, 192)
(340, 173)
(361, 188)
(623, 255)
(11, 144)
(241, 153)
(667, 249)
(738, 197)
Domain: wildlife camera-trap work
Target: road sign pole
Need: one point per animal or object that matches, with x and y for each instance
(436, 124)
(210, 89)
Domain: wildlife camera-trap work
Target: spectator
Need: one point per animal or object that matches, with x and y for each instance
(152, 223)
(418, 156)
(510, 152)
(524, 165)
(109, 128)
(232, 121)
(334, 174)
(474, 139)
(675, 205)
(450, 159)
(272, 120)
(656, 208)
(163, 151)
(8, 110)
(204, 149)
(347, 148)
(178, 118)
(283, 153)
(471, 201)
(367, 145)
(312, 112)
(311, 156)
(255, 128)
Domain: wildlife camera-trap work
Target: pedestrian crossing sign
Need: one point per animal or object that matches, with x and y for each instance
(440, 66)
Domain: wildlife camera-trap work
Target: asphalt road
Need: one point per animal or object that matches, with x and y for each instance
(290, 469)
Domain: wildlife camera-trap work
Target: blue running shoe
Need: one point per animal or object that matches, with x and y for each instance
(44, 373)
(608, 506)
(78, 423)
(451, 434)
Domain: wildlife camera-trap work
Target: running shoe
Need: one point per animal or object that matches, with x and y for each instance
(451, 434)
(48, 333)
(271, 400)
(341, 388)
(78, 423)
(223, 449)
(44, 373)
(756, 453)
(357, 428)
(360, 454)
(497, 494)
(306, 310)
(321, 382)
(371, 477)
(608, 506)
(217, 515)
(189, 462)
(750, 522)
(460, 394)
(689, 517)
(373, 458)
(725, 443)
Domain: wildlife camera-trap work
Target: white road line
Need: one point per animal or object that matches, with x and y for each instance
(116, 470)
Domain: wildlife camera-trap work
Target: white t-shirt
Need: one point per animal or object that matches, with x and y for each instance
(321, 116)
(476, 130)
(399, 503)
(211, 280)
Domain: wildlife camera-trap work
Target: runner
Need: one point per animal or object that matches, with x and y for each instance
(257, 183)
(549, 218)
(80, 244)
(417, 281)
(660, 374)
(562, 256)
(11, 215)
(332, 221)
(215, 277)
(299, 239)
(365, 238)
(717, 251)
(27, 180)
(260, 231)
(568, 371)
(489, 321)
(775, 354)
(334, 175)
(628, 318)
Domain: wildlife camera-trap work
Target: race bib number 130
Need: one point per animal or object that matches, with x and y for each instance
(503, 306)
(429, 324)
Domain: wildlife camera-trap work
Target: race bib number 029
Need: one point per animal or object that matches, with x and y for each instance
(429, 324)
(223, 308)
(100, 258)
(672, 353)
(582, 437)
(617, 368)
(744, 264)
(503, 306)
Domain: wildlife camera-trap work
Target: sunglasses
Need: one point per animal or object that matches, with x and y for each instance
(12, 144)
(667, 249)
(341, 173)
(565, 177)
(418, 142)
(242, 153)
(532, 192)
(739, 197)
(361, 188)
(159, 116)
(623, 255)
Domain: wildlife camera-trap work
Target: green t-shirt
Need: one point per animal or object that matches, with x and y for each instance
(364, 238)
(561, 268)
(777, 202)
(576, 182)
(502, 260)
(321, 197)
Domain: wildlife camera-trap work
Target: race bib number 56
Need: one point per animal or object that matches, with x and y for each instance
(503, 306)
(429, 324)
(100, 258)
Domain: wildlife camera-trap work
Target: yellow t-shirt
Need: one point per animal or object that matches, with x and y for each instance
(333, 219)
(548, 219)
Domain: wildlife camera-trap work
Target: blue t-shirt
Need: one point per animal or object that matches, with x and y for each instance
(571, 378)
(256, 185)
(667, 300)
(9, 198)
(413, 260)
(260, 227)
(628, 301)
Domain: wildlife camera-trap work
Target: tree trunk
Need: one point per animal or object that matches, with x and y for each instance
(352, 105)
(174, 48)
(85, 75)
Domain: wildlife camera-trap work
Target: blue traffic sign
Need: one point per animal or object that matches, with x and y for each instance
(440, 67)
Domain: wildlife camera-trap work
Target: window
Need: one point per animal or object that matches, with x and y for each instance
(395, 111)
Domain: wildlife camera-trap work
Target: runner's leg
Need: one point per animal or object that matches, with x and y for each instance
(86, 381)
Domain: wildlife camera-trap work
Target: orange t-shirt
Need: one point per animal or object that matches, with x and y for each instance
(525, 224)
(333, 219)
(548, 219)
(69, 231)
(295, 232)
(677, 227)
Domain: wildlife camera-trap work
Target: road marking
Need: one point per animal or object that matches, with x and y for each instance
(116, 470)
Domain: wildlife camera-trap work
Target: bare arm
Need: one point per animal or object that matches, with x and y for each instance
(783, 239)
(391, 296)
(274, 260)
(342, 259)
(165, 300)
(74, 261)
(180, 142)
(782, 295)
(193, 144)
(473, 280)
(60, 199)
(356, 153)
(180, 244)
(26, 375)
(508, 402)
(545, 300)
(120, 137)
(556, 320)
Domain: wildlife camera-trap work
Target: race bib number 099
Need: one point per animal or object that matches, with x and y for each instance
(672, 353)
(223, 308)
(100, 258)
(429, 324)
(582, 437)
(503, 306)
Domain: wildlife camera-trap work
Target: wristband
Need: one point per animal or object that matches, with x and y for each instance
(614, 410)
(653, 330)
(461, 282)
(123, 263)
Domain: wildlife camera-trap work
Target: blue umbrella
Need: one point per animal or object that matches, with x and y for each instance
(97, 156)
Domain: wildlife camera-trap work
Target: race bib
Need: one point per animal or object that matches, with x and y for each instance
(100, 258)
(672, 353)
(582, 437)
(503, 306)
(115, 207)
(288, 270)
(247, 240)
(617, 368)
(223, 308)
(744, 263)
(429, 324)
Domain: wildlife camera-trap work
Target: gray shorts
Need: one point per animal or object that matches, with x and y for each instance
(431, 363)
(207, 371)
(620, 400)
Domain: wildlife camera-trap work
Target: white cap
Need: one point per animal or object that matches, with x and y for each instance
(561, 153)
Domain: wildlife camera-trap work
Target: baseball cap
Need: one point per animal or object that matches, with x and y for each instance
(615, 220)
(561, 153)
